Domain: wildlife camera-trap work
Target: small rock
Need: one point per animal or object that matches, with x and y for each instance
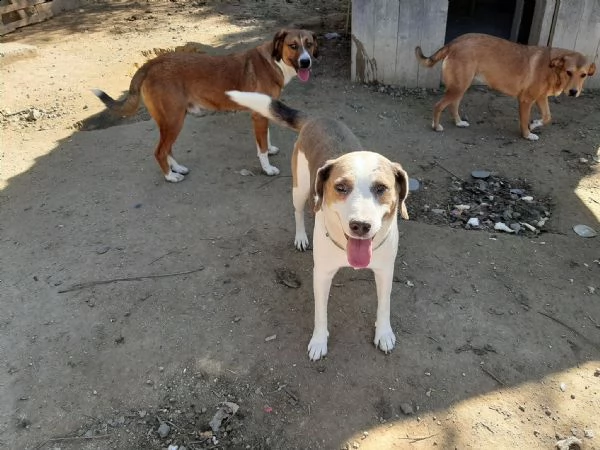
(102, 250)
(34, 114)
(480, 174)
(473, 222)
(462, 207)
(225, 412)
(597, 373)
(406, 409)
(517, 191)
(515, 227)
(142, 413)
(501, 226)
(522, 408)
(591, 289)
(563, 387)
(527, 198)
(270, 338)
(548, 412)
(438, 211)
(163, 430)
(355, 444)
(566, 444)
(330, 36)
(589, 434)
(246, 173)
(410, 283)
(585, 231)
(413, 185)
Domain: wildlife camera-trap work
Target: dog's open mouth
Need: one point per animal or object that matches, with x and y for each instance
(303, 74)
(359, 252)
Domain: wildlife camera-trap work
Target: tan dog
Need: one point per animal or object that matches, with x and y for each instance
(176, 83)
(357, 194)
(527, 72)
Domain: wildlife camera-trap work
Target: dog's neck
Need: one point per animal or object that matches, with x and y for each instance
(287, 71)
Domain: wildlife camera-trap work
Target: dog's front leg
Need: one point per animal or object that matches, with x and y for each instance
(524, 115)
(542, 104)
(261, 133)
(384, 335)
(322, 276)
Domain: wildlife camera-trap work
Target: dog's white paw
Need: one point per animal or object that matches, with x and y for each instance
(174, 177)
(535, 124)
(439, 127)
(532, 137)
(462, 124)
(271, 170)
(178, 168)
(317, 348)
(301, 241)
(385, 339)
(273, 150)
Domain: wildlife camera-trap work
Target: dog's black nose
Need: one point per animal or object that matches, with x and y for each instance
(359, 228)
(573, 92)
(304, 63)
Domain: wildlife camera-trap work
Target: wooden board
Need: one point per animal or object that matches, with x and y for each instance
(29, 12)
(385, 34)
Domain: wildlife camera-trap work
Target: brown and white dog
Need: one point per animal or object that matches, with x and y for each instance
(176, 83)
(529, 73)
(357, 195)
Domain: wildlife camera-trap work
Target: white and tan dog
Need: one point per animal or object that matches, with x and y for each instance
(357, 195)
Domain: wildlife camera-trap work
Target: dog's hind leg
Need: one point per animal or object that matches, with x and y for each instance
(300, 193)
(261, 133)
(169, 130)
(272, 149)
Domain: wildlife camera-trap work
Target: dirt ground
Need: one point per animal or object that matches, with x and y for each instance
(498, 334)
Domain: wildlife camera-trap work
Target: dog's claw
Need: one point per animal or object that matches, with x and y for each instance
(385, 340)
(535, 124)
(174, 177)
(532, 137)
(271, 170)
(301, 242)
(316, 349)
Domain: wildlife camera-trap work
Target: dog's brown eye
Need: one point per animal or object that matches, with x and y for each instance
(294, 46)
(309, 44)
(379, 189)
(569, 73)
(341, 188)
(583, 75)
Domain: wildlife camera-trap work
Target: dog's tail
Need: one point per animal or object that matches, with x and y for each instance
(129, 105)
(270, 108)
(433, 59)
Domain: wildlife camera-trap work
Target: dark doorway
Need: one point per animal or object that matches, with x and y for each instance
(508, 19)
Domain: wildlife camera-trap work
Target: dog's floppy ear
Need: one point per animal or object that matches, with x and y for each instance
(557, 63)
(591, 69)
(278, 44)
(315, 51)
(322, 176)
(402, 182)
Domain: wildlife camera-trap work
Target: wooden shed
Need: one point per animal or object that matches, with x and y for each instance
(386, 32)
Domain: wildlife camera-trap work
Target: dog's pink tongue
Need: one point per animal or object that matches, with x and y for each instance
(359, 252)
(303, 74)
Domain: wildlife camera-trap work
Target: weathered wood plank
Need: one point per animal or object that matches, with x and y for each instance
(569, 15)
(19, 4)
(587, 40)
(363, 67)
(42, 12)
(410, 20)
(541, 25)
(432, 38)
(385, 39)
